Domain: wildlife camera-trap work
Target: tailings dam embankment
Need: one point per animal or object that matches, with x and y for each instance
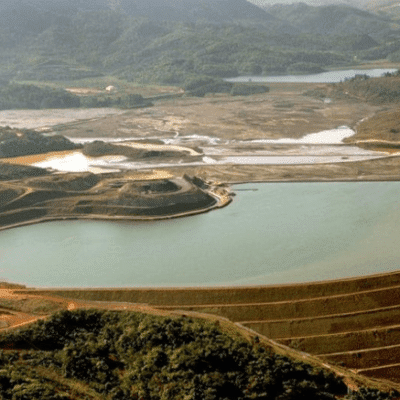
(351, 322)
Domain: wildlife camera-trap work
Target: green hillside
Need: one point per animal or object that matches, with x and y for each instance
(332, 19)
(153, 41)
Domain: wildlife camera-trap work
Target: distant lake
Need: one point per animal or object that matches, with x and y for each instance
(324, 77)
(271, 233)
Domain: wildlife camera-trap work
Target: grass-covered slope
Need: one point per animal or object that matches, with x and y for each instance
(93, 354)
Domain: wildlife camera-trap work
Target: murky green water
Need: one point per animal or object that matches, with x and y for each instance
(282, 232)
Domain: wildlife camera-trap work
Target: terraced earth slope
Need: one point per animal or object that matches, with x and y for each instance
(352, 323)
(125, 195)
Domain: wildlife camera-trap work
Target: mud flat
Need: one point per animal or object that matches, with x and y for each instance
(284, 112)
(44, 119)
(213, 135)
(277, 123)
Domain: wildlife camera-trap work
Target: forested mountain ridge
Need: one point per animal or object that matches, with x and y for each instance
(331, 19)
(170, 42)
(178, 10)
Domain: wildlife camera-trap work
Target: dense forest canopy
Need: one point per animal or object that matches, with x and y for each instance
(91, 354)
(169, 42)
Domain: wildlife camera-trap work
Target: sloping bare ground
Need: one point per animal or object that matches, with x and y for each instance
(11, 302)
(349, 323)
(352, 379)
(382, 127)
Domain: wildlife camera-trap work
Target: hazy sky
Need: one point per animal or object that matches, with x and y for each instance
(310, 2)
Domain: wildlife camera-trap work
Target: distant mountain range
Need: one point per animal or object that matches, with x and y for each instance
(177, 10)
(363, 4)
(268, 3)
(388, 7)
(37, 15)
(33, 14)
(331, 19)
(172, 41)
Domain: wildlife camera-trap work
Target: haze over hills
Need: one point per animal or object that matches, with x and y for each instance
(268, 3)
(388, 7)
(171, 42)
(178, 10)
(330, 19)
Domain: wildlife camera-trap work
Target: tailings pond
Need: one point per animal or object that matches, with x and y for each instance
(271, 233)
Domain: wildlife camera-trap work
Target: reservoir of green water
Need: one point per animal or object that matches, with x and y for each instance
(276, 233)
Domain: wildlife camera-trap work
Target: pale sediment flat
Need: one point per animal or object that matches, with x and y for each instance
(47, 118)
(315, 148)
